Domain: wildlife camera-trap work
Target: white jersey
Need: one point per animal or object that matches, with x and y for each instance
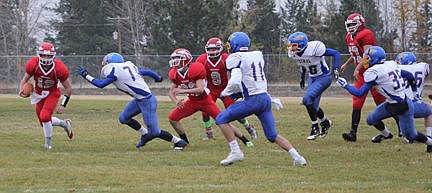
(420, 72)
(251, 64)
(313, 59)
(389, 81)
(128, 79)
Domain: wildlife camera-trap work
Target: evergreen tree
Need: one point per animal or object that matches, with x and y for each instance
(266, 33)
(188, 24)
(84, 28)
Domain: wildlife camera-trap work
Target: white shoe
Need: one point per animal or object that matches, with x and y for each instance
(278, 104)
(300, 162)
(68, 128)
(232, 157)
(46, 146)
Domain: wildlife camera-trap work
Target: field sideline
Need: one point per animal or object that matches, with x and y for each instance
(102, 156)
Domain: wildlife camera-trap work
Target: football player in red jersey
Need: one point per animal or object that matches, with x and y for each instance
(188, 78)
(48, 72)
(217, 79)
(358, 39)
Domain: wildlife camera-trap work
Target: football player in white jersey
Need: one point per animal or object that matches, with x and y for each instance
(407, 61)
(391, 81)
(127, 78)
(248, 79)
(310, 56)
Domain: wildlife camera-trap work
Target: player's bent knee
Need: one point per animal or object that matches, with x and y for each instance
(371, 121)
(123, 119)
(271, 138)
(221, 119)
(307, 101)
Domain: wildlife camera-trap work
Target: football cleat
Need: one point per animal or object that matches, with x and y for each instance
(48, 147)
(351, 136)
(325, 126)
(314, 132)
(429, 149)
(180, 145)
(232, 157)
(69, 128)
(378, 138)
(142, 142)
(251, 130)
(300, 162)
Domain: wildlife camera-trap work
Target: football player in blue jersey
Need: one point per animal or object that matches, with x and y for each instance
(248, 81)
(310, 56)
(390, 81)
(127, 78)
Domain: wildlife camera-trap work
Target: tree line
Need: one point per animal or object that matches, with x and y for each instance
(156, 27)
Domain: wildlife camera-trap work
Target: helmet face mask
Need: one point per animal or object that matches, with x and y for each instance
(214, 47)
(180, 58)
(46, 53)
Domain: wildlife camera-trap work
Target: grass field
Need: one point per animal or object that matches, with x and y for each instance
(102, 156)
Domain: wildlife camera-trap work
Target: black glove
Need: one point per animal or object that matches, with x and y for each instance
(336, 73)
(82, 71)
(160, 79)
(236, 96)
(302, 83)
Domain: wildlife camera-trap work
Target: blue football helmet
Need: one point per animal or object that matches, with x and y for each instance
(297, 42)
(405, 58)
(238, 41)
(112, 58)
(373, 55)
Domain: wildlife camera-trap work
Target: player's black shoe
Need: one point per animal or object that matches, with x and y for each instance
(351, 136)
(315, 131)
(429, 149)
(378, 138)
(325, 126)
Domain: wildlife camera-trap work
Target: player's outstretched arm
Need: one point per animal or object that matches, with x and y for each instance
(352, 90)
(152, 74)
(100, 83)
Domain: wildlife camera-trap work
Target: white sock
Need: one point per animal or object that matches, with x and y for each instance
(48, 130)
(142, 131)
(323, 119)
(314, 122)
(429, 131)
(294, 154)
(385, 132)
(58, 122)
(234, 146)
(175, 139)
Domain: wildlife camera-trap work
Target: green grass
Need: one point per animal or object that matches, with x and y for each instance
(102, 156)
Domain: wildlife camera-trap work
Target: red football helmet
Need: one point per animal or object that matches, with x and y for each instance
(354, 23)
(180, 58)
(46, 53)
(214, 47)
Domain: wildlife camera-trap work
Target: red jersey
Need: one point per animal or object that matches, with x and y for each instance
(217, 73)
(355, 45)
(47, 80)
(188, 80)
